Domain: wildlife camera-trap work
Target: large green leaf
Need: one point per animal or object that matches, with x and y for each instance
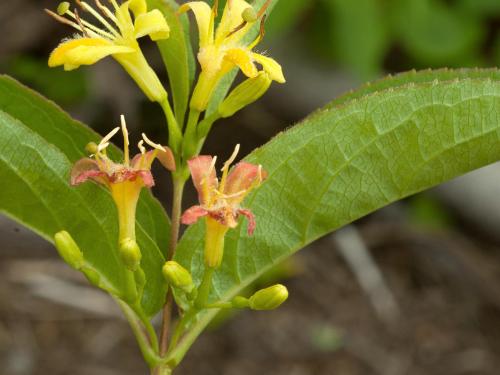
(38, 145)
(350, 159)
(177, 55)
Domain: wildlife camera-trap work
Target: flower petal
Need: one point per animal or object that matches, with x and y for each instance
(193, 214)
(243, 59)
(242, 177)
(271, 67)
(204, 179)
(251, 220)
(85, 169)
(153, 24)
(128, 174)
(203, 14)
(231, 19)
(138, 7)
(144, 161)
(84, 51)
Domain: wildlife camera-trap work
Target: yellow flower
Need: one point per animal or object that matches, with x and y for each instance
(223, 48)
(116, 37)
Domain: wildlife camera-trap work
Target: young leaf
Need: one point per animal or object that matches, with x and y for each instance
(38, 145)
(346, 161)
(177, 55)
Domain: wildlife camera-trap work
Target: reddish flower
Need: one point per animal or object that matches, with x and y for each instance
(220, 200)
(124, 180)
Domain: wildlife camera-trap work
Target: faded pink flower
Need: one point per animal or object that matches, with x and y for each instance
(220, 200)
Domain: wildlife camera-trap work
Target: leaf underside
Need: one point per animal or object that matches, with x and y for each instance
(38, 145)
(391, 139)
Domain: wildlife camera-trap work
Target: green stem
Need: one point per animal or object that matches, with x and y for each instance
(149, 354)
(178, 185)
(174, 132)
(190, 138)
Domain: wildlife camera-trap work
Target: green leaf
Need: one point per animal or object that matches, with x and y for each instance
(38, 145)
(344, 162)
(226, 82)
(177, 55)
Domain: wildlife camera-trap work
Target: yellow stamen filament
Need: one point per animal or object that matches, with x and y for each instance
(92, 11)
(125, 141)
(262, 33)
(105, 10)
(89, 26)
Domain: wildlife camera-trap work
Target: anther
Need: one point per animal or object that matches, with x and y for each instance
(63, 8)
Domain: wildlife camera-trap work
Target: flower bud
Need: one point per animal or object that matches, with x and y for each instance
(269, 298)
(69, 250)
(177, 276)
(244, 94)
(240, 302)
(130, 253)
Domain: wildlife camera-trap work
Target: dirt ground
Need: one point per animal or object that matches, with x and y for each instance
(444, 283)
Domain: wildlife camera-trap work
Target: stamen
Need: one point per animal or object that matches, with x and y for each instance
(94, 29)
(263, 9)
(63, 8)
(77, 18)
(102, 146)
(262, 33)
(232, 158)
(92, 11)
(152, 144)
(115, 5)
(215, 8)
(105, 11)
(107, 138)
(125, 140)
(141, 147)
(62, 19)
(225, 169)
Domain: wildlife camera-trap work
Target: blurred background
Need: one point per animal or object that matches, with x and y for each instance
(411, 289)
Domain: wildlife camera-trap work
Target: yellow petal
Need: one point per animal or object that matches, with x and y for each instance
(271, 67)
(242, 59)
(138, 7)
(124, 19)
(231, 19)
(203, 14)
(83, 51)
(153, 24)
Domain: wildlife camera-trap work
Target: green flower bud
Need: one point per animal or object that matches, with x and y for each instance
(69, 250)
(240, 302)
(244, 94)
(130, 253)
(63, 8)
(269, 298)
(249, 15)
(177, 276)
